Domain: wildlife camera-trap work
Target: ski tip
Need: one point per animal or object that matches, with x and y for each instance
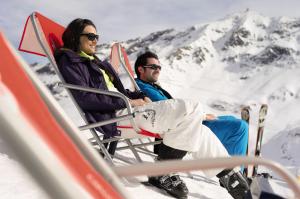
(245, 108)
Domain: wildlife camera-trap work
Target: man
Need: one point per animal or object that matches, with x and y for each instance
(232, 132)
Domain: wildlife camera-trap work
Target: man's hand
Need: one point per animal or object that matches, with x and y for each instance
(137, 102)
(210, 117)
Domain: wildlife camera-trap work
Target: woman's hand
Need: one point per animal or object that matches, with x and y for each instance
(210, 117)
(137, 102)
(147, 99)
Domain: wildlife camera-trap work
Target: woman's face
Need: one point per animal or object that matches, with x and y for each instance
(88, 40)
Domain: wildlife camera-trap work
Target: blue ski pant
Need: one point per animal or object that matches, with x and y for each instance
(232, 132)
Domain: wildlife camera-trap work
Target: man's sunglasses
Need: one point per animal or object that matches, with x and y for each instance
(152, 66)
(91, 36)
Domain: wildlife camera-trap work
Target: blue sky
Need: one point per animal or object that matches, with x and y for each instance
(126, 19)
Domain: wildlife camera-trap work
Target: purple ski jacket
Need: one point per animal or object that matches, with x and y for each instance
(82, 71)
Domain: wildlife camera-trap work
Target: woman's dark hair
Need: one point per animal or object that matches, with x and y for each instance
(72, 33)
(142, 61)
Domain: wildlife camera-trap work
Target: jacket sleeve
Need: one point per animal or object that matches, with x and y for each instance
(74, 74)
(135, 94)
(151, 92)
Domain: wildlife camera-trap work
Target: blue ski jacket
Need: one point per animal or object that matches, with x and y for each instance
(153, 91)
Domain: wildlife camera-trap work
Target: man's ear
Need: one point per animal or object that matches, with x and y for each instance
(141, 69)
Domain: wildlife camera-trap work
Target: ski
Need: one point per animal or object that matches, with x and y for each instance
(261, 124)
(245, 115)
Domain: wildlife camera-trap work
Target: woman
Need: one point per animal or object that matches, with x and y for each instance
(80, 41)
(178, 122)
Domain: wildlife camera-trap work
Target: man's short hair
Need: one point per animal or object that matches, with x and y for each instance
(142, 61)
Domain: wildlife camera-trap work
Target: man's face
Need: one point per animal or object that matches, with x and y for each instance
(148, 73)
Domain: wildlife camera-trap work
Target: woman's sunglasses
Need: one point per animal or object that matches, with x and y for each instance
(91, 36)
(153, 66)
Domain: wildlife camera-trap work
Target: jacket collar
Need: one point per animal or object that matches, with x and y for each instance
(73, 56)
(76, 58)
(166, 93)
(83, 54)
(152, 84)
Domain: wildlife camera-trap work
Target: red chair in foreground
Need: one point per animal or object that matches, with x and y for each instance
(29, 125)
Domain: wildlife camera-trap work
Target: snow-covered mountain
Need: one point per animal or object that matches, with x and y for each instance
(243, 59)
(227, 58)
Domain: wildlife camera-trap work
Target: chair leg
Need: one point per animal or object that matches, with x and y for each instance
(144, 146)
(141, 141)
(136, 155)
(107, 155)
(145, 151)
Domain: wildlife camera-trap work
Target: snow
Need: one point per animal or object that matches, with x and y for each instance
(207, 64)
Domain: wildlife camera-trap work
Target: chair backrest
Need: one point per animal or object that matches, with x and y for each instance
(59, 165)
(118, 52)
(52, 33)
(119, 60)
